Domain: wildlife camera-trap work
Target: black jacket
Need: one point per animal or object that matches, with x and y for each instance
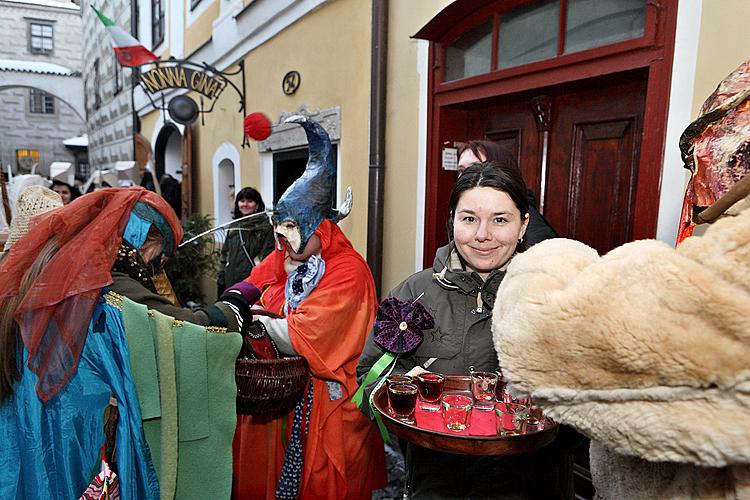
(539, 229)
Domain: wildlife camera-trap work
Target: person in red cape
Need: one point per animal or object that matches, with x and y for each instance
(324, 292)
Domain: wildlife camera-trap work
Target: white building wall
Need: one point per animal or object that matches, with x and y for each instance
(20, 129)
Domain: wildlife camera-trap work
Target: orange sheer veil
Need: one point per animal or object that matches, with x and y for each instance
(54, 314)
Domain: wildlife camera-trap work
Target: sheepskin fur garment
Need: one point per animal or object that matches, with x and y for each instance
(646, 350)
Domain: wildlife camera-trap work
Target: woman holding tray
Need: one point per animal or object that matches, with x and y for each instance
(489, 214)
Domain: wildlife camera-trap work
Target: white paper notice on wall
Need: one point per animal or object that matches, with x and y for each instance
(450, 159)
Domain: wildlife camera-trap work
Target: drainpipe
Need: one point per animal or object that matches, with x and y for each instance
(375, 201)
(134, 77)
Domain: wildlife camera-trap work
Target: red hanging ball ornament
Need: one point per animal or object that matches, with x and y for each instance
(257, 126)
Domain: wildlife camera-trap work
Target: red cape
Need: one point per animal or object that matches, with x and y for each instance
(343, 455)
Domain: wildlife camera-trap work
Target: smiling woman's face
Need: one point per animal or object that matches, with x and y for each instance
(486, 228)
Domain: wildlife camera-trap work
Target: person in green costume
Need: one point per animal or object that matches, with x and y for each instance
(74, 337)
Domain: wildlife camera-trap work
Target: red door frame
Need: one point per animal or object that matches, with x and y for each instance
(654, 51)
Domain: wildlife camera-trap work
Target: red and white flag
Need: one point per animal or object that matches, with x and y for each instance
(128, 50)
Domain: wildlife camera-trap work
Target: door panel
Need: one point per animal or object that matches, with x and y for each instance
(594, 150)
(601, 184)
(511, 123)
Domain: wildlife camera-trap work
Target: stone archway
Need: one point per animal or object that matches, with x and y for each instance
(66, 87)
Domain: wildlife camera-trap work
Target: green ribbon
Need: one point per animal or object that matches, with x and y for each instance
(377, 369)
(385, 361)
(378, 419)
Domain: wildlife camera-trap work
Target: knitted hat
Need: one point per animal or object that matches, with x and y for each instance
(33, 200)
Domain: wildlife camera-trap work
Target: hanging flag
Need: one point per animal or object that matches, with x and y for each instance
(128, 50)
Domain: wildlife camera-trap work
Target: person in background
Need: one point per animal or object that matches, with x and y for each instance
(32, 201)
(80, 181)
(477, 151)
(171, 190)
(67, 192)
(248, 241)
(490, 213)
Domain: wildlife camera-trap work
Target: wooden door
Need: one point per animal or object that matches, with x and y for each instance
(578, 150)
(594, 147)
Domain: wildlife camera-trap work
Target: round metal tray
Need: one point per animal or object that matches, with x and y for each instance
(461, 444)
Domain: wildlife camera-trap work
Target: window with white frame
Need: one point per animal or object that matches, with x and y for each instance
(40, 102)
(157, 22)
(97, 86)
(41, 38)
(118, 75)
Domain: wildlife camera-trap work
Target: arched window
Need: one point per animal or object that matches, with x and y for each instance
(226, 175)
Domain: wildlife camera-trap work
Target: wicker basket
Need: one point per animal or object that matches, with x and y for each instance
(270, 385)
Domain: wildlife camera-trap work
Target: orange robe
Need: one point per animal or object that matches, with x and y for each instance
(343, 453)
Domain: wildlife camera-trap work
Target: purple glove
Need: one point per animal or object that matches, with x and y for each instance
(246, 290)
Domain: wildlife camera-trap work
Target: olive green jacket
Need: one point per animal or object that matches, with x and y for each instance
(130, 288)
(462, 337)
(247, 243)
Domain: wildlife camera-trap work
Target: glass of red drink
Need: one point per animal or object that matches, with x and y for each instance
(398, 378)
(430, 387)
(402, 398)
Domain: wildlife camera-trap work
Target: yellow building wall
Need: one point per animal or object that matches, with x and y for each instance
(330, 48)
(723, 45)
(200, 30)
(402, 137)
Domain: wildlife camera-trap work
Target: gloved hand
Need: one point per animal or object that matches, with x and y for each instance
(249, 292)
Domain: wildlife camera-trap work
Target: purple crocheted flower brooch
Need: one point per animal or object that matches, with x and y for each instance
(399, 325)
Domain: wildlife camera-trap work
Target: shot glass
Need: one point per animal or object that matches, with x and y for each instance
(398, 378)
(456, 411)
(483, 389)
(402, 398)
(500, 387)
(430, 387)
(511, 402)
(395, 379)
(535, 420)
(512, 423)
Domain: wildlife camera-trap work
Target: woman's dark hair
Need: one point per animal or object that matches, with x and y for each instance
(490, 150)
(74, 191)
(248, 193)
(494, 174)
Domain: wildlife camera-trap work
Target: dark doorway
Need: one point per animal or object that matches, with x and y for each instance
(288, 166)
(168, 152)
(168, 159)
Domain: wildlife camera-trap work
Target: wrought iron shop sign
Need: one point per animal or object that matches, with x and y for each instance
(162, 78)
(159, 79)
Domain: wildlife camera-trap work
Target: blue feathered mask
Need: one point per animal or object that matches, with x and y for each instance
(305, 204)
